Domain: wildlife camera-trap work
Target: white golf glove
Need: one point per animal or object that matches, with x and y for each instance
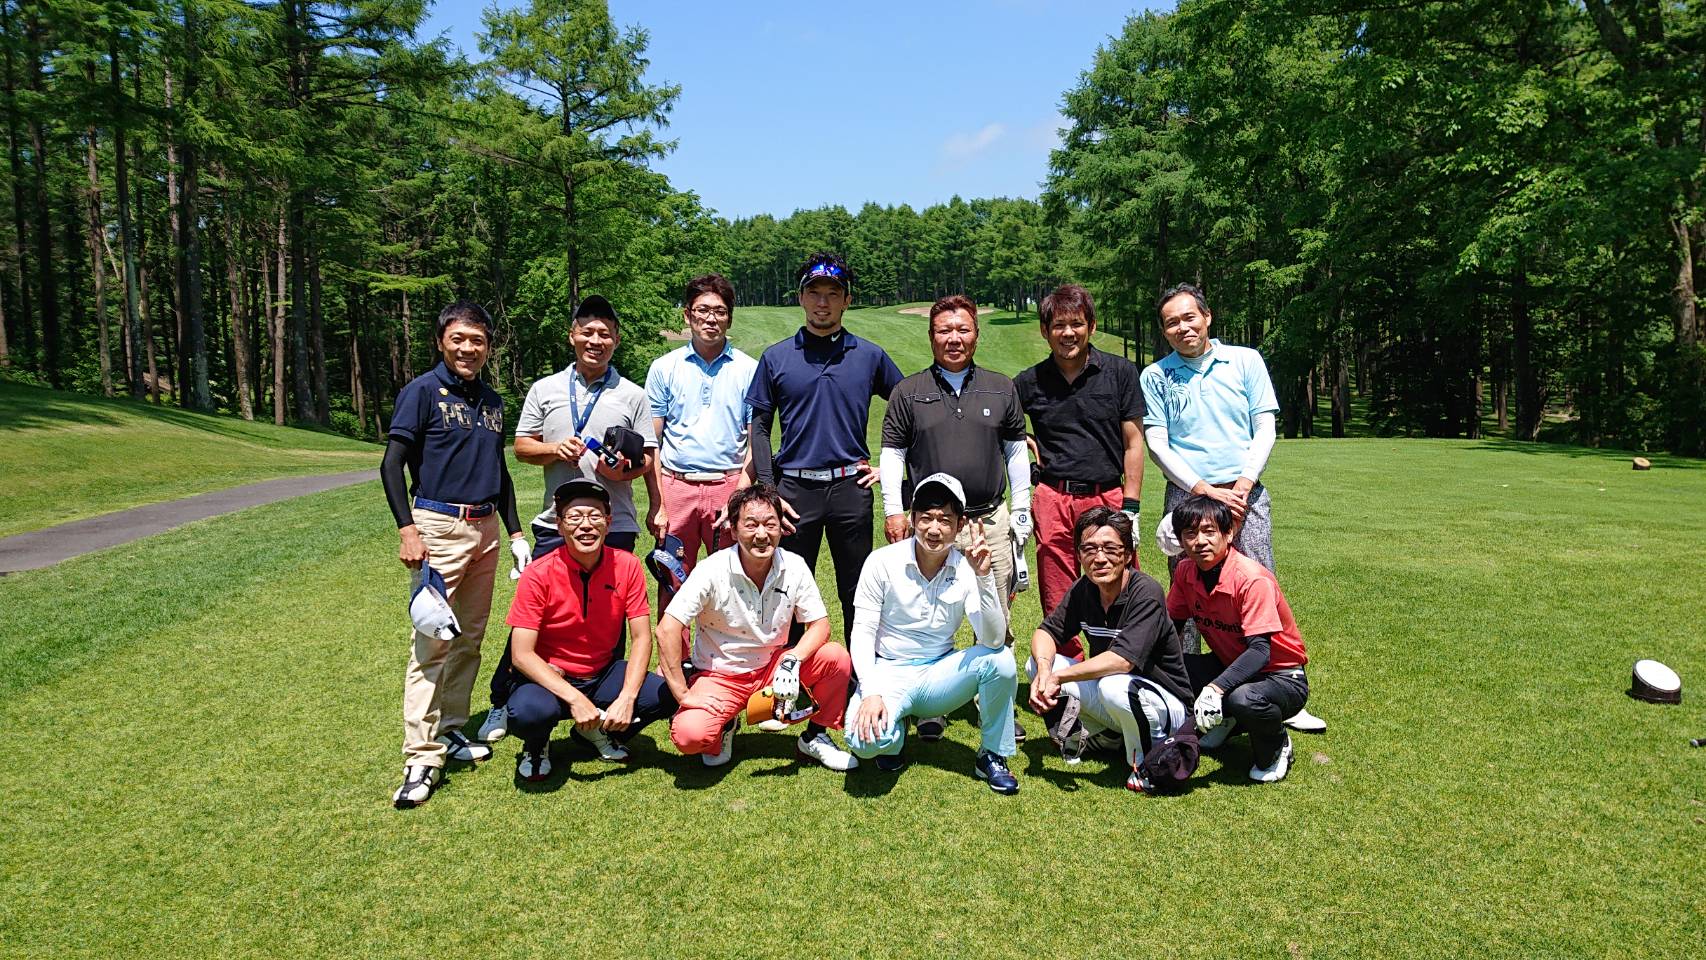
(1166, 539)
(785, 682)
(1130, 509)
(1020, 523)
(522, 553)
(1208, 710)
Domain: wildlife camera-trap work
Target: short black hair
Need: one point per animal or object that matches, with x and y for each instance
(759, 492)
(937, 495)
(1183, 289)
(1103, 517)
(1190, 514)
(596, 307)
(465, 311)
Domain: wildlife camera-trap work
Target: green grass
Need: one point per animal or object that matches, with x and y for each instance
(206, 735)
(66, 456)
(205, 732)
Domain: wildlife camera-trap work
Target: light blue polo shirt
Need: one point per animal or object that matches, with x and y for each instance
(703, 407)
(1210, 415)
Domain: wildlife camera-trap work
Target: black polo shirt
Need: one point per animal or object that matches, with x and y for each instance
(455, 432)
(1078, 424)
(958, 434)
(1136, 627)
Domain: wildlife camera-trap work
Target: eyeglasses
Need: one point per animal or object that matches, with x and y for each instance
(584, 518)
(1102, 549)
(711, 313)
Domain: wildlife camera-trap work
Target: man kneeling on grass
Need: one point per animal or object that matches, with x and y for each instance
(744, 598)
(1130, 691)
(911, 598)
(568, 614)
(1254, 678)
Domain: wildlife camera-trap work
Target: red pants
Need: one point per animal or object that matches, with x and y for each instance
(700, 729)
(1055, 514)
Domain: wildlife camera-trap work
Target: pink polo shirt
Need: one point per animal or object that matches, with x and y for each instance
(1246, 602)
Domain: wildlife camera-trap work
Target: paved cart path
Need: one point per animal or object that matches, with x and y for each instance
(44, 548)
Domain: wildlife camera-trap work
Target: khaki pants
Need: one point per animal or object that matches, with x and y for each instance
(440, 677)
(996, 535)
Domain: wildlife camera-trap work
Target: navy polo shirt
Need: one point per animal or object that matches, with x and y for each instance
(821, 389)
(455, 432)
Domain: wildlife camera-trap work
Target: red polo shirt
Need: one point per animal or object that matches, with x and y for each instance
(579, 613)
(1246, 602)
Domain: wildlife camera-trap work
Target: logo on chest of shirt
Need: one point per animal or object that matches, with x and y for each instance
(455, 413)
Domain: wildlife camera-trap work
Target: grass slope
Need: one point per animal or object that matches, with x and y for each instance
(206, 738)
(66, 456)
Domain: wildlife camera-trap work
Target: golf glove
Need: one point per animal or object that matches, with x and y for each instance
(1020, 523)
(1208, 710)
(522, 553)
(1130, 508)
(785, 683)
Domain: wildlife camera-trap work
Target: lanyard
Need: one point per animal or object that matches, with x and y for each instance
(597, 391)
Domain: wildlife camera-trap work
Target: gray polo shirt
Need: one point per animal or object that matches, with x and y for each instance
(548, 414)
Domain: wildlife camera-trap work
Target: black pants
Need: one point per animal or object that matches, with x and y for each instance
(840, 509)
(1260, 706)
(535, 711)
(546, 539)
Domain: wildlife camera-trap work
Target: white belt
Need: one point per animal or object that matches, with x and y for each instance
(828, 473)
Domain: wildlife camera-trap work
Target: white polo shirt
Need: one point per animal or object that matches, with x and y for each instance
(916, 617)
(741, 625)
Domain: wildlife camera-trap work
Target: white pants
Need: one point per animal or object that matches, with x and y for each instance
(1105, 704)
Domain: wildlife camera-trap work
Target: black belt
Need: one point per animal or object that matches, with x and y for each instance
(978, 513)
(1079, 488)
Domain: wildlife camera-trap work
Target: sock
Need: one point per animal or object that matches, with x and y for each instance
(812, 730)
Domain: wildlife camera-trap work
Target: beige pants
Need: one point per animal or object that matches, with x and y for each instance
(995, 534)
(440, 677)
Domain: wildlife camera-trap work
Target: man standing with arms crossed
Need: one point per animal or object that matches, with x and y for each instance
(820, 383)
(1086, 411)
(1209, 418)
(697, 397)
(561, 411)
(447, 427)
(965, 421)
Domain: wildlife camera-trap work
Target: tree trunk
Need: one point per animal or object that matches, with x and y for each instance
(97, 226)
(23, 319)
(126, 231)
(234, 290)
(48, 281)
(278, 394)
(193, 343)
(302, 370)
(408, 341)
(1528, 392)
(357, 392)
(317, 341)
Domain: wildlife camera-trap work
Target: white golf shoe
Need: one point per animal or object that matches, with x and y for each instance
(1305, 722)
(459, 747)
(727, 752)
(496, 725)
(419, 781)
(821, 749)
(1277, 772)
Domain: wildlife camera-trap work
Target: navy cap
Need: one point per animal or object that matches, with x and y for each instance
(824, 270)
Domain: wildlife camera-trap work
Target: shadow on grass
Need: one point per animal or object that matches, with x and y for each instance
(1661, 461)
(25, 407)
(692, 774)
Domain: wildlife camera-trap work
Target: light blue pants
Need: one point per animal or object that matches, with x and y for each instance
(938, 688)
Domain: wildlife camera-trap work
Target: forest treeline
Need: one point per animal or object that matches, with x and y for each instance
(1455, 212)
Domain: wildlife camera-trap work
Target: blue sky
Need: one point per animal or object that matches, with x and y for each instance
(797, 105)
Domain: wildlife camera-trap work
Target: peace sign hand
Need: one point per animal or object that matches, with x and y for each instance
(979, 556)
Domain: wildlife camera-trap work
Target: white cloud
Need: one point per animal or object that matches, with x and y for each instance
(961, 148)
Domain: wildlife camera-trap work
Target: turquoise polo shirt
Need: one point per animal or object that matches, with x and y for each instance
(1210, 415)
(703, 407)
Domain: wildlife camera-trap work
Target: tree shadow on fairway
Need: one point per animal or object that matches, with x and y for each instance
(1661, 461)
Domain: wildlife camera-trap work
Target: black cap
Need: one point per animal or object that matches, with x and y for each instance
(580, 487)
